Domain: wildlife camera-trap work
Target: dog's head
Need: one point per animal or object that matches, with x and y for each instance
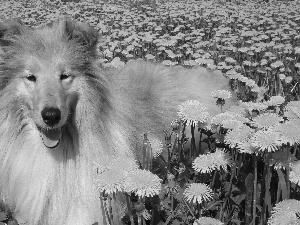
(45, 66)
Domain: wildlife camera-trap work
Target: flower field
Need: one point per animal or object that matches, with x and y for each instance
(240, 167)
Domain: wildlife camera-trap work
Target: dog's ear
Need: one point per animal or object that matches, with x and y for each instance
(8, 30)
(82, 32)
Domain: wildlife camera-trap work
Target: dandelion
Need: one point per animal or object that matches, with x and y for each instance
(110, 181)
(222, 117)
(275, 101)
(221, 94)
(175, 125)
(250, 106)
(235, 109)
(292, 104)
(292, 109)
(197, 193)
(295, 173)
(265, 140)
(289, 132)
(246, 147)
(110, 177)
(266, 120)
(280, 159)
(296, 111)
(117, 63)
(285, 213)
(277, 64)
(204, 164)
(232, 124)
(211, 161)
(207, 221)
(156, 146)
(192, 112)
(142, 183)
(236, 136)
(250, 83)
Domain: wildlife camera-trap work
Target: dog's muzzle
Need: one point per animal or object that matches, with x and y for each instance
(51, 136)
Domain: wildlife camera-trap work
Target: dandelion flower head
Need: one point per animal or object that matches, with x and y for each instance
(198, 192)
(207, 221)
(192, 112)
(250, 106)
(266, 120)
(275, 101)
(285, 213)
(110, 181)
(289, 132)
(211, 161)
(295, 173)
(222, 117)
(221, 94)
(280, 160)
(247, 147)
(236, 136)
(156, 146)
(232, 124)
(265, 140)
(143, 183)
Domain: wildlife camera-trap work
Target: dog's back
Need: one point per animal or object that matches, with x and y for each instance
(148, 94)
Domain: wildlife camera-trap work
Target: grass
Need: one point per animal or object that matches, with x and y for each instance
(242, 166)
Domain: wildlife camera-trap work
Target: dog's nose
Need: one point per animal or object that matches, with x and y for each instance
(51, 116)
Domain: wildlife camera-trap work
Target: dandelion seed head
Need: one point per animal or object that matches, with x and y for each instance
(197, 192)
(143, 183)
(192, 112)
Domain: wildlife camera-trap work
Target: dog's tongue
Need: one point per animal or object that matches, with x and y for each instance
(51, 138)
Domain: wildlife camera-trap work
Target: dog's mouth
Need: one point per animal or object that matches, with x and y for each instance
(51, 137)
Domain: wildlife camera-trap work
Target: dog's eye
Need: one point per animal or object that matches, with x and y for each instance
(31, 78)
(64, 76)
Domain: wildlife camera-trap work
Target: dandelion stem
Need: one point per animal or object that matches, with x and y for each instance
(228, 193)
(189, 208)
(288, 183)
(129, 209)
(254, 188)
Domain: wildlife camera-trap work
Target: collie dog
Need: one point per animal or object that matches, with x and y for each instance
(61, 113)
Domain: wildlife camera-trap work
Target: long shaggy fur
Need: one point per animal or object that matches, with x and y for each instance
(103, 115)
